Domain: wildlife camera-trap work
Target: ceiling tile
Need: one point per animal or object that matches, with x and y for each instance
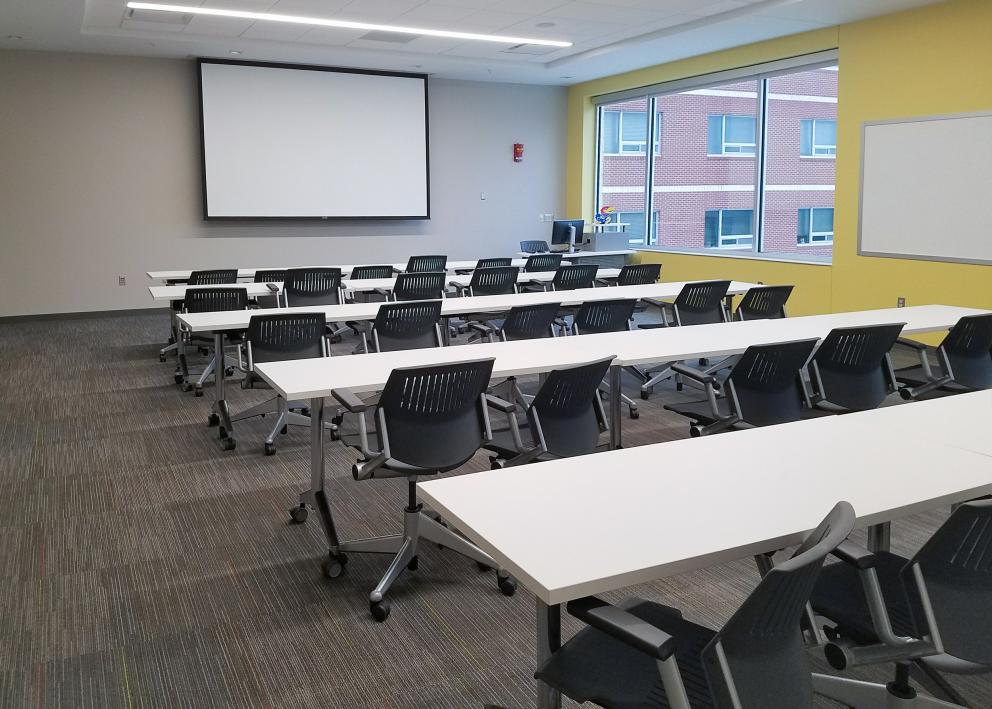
(310, 8)
(275, 31)
(530, 7)
(331, 36)
(435, 15)
(217, 26)
(605, 13)
(377, 10)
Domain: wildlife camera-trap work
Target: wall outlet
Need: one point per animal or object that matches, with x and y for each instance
(900, 302)
(545, 217)
(482, 196)
(122, 280)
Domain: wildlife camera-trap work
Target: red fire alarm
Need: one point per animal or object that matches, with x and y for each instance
(518, 152)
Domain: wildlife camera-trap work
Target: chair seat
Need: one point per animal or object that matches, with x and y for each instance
(914, 377)
(839, 596)
(700, 411)
(594, 667)
(502, 443)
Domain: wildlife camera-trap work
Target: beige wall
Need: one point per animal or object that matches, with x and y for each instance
(100, 176)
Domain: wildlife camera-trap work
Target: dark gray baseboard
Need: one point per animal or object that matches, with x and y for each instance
(83, 315)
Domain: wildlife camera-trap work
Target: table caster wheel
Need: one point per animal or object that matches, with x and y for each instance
(270, 449)
(229, 372)
(496, 463)
(483, 567)
(229, 444)
(695, 431)
(337, 420)
(222, 432)
(186, 386)
(334, 566)
(414, 564)
(285, 430)
(645, 394)
(161, 358)
(198, 391)
(213, 420)
(380, 610)
(507, 585)
(635, 414)
(299, 514)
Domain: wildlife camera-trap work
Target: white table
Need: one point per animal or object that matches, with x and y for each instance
(606, 259)
(371, 284)
(249, 273)
(178, 292)
(606, 521)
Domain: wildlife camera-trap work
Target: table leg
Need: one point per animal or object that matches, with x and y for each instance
(879, 536)
(616, 413)
(317, 496)
(548, 642)
(219, 407)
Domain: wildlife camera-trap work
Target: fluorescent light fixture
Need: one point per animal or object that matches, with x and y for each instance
(344, 24)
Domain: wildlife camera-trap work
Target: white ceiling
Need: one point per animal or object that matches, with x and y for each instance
(609, 36)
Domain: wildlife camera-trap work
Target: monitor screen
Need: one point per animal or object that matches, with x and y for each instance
(561, 233)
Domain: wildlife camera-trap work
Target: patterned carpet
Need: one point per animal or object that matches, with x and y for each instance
(144, 567)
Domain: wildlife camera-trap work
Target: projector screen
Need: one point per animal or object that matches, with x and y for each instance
(301, 142)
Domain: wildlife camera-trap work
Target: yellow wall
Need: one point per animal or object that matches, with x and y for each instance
(929, 61)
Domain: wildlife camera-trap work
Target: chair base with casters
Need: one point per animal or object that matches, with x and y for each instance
(183, 374)
(296, 413)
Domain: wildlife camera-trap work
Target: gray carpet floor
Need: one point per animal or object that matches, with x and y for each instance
(142, 566)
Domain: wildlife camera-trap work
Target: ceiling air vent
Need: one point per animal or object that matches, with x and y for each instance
(159, 18)
(391, 37)
(531, 49)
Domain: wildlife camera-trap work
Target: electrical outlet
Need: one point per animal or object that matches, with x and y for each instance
(122, 280)
(482, 196)
(900, 302)
(545, 217)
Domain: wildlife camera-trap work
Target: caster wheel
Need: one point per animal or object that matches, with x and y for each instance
(483, 567)
(186, 386)
(198, 391)
(161, 358)
(335, 339)
(695, 432)
(507, 586)
(335, 434)
(213, 420)
(299, 514)
(635, 414)
(229, 444)
(222, 432)
(496, 463)
(229, 372)
(414, 563)
(285, 430)
(380, 611)
(270, 449)
(337, 420)
(678, 387)
(645, 394)
(334, 567)
(905, 394)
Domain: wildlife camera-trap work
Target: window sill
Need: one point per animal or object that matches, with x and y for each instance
(809, 260)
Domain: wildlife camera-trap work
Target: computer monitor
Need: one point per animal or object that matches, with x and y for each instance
(567, 232)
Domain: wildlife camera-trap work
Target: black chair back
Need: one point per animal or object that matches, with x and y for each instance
(407, 326)
(312, 286)
(534, 247)
(762, 642)
(569, 410)
(499, 280)
(765, 383)
(273, 338)
(434, 418)
(764, 303)
(419, 286)
(851, 368)
(493, 262)
(598, 316)
(423, 264)
(575, 276)
(273, 275)
(529, 322)
(542, 263)
(701, 303)
(639, 274)
(215, 277)
(365, 272)
(968, 348)
(957, 573)
(215, 300)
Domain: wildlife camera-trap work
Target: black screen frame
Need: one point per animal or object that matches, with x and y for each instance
(313, 67)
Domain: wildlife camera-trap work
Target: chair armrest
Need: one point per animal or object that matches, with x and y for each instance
(855, 555)
(913, 344)
(347, 398)
(693, 373)
(382, 291)
(624, 626)
(480, 327)
(365, 469)
(501, 405)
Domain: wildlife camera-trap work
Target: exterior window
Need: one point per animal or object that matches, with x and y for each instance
(817, 138)
(625, 132)
(816, 226)
(635, 220)
(729, 228)
(731, 135)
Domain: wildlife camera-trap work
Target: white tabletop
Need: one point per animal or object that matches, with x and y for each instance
(305, 379)
(604, 521)
(584, 254)
(178, 292)
(238, 320)
(183, 274)
(370, 284)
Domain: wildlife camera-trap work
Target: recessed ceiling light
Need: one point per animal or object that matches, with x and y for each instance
(235, 52)
(14, 37)
(345, 24)
(566, 77)
(544, 25)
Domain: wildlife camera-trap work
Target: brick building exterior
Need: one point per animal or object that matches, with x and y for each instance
(705, 165)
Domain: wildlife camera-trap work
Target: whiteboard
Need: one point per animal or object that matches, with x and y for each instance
(304, 142)
(926, 188)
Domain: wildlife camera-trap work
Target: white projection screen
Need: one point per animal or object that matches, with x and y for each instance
(303, 142)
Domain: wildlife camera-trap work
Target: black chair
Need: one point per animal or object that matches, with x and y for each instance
(496, 280)
(764, 303)
(275, 338)
(765, 387)
(417, 286)
(639, 274)
(214, 277)
(599, 316)
(207, 300)
(565, 418)
(542, 263)
(314, 286)
(851, 370)
(534, 247)
(424, 264)
(428, 420)
(574, 277)
(700, 303)
(269, 276)
(359, 273)
(405, 326)
(523, 322)
(645, 655)
(930, 614)
(964, 356)
(499, 262)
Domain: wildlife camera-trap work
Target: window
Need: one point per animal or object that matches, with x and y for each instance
(731, 135)
(625, 132)
(729, 228)
(635, 222)
(817, 137)
(816, 226)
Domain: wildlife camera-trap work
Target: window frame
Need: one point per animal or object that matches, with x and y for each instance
(621, 141)
(720, 236)
(813, 234)
(813, 145)
(724, 142)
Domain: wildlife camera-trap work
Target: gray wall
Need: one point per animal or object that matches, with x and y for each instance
(100, 176)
